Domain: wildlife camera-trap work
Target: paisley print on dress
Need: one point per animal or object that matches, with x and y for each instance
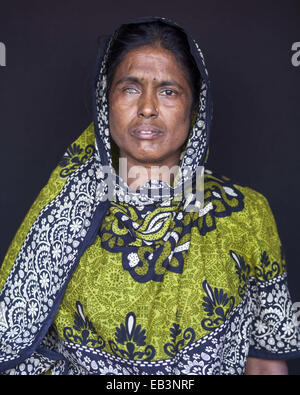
(74, 157)
(155, 240)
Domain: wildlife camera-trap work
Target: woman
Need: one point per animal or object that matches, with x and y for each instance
(151, 279)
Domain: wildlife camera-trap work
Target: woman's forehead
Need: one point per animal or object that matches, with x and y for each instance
(155, 63)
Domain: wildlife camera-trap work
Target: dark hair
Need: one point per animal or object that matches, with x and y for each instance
(132, 36)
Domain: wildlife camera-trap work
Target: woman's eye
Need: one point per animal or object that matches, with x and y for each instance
(130, 90)
(168, 92)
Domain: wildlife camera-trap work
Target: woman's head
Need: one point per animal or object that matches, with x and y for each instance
(153, 87)
(155, 34)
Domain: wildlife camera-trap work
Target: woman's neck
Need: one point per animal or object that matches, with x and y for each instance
(136, 174)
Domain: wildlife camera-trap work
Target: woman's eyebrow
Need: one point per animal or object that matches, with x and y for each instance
(136, 80)
(169, 83)
(128, 78)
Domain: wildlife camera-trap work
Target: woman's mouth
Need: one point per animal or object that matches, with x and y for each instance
(146, 132)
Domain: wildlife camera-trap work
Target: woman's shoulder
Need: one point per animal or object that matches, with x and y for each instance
(231, 188)
(77, 153)
(229, 196)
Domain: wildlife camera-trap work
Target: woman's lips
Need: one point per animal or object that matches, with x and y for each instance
(146, 132)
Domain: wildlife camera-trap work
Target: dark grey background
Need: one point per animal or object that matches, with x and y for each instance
(45, 96)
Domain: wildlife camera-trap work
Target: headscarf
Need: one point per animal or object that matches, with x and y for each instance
(71, 221)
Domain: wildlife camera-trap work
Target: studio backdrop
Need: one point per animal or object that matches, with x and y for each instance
(252, 50)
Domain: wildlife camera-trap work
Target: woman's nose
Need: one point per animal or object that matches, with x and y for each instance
(147, 107)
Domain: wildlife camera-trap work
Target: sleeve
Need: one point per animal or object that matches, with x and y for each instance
(275, 330)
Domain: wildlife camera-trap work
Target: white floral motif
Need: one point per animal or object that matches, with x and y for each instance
(33, 309)
(193, 367)
(260, 326)
(75, 226)
(56, 251)
(109, 370)
(288, 328)
(133, 259)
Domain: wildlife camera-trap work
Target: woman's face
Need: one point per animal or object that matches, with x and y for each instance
(150, 107)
